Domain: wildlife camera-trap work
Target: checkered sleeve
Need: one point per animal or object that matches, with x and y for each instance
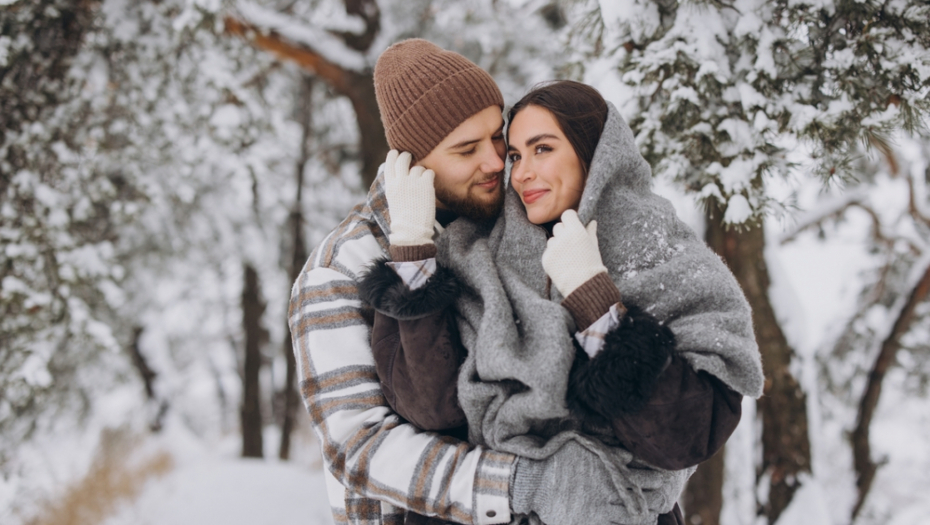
(592, 338)
(597, 309)
(415, 273)
(381, 461)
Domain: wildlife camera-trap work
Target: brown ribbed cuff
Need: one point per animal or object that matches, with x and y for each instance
(412, 253)
(590, 301)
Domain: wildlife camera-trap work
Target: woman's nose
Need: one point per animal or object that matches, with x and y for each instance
(521, 173)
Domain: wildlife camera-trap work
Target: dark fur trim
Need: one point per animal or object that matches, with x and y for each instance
(386, 292)
(623, 376)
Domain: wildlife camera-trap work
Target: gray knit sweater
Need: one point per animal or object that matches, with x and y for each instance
(514, 382)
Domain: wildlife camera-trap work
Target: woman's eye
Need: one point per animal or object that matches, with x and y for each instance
(513, 157)
(467, 153)
(542, 148)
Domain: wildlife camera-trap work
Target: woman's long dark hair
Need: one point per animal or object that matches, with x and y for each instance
(579, 109)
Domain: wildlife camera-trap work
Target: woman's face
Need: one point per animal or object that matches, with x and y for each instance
(546, 172)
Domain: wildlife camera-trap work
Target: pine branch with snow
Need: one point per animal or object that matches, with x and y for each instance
(725, 92)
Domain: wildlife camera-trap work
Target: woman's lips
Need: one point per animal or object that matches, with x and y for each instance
(531, 196)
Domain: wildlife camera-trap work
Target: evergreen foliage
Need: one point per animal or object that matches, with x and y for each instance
(147, 156)
(725, 92)
(124, 124)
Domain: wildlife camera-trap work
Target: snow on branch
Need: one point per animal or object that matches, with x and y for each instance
(828, 210)
(318, 41)
(915, 201)
(306, 58)
(832, 209)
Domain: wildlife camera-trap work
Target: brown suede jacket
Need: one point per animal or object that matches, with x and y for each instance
(657, 406)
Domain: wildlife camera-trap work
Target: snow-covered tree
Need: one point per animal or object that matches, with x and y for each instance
(58, 275)
(148, 149)
(887, 211)
(724, 97)
(723, 91)
(151, 158)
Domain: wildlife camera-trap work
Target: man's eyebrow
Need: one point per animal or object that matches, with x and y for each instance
(466, 143)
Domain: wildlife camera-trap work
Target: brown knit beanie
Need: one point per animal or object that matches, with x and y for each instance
(424, 92)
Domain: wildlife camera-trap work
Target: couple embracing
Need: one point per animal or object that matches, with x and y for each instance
(558, 348)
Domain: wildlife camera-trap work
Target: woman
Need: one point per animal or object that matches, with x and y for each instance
(656, 395)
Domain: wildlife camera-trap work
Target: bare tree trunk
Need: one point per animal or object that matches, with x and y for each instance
(142, 366)
(357, 86)
(373, 143)
(862, 452)
(255, 335)
(703, 497)
(291, 401)
(291, 396)
(783, 405)
(148, 379)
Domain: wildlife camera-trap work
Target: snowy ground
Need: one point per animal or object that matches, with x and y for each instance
(231, 491)
(211, 484)
(207, 482)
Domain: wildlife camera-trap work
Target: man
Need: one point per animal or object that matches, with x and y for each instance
(446, 112)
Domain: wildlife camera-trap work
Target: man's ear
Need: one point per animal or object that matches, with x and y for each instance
(421, 163)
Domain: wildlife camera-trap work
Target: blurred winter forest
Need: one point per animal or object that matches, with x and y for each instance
(167, 165)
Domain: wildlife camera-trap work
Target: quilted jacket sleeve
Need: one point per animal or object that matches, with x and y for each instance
(415, 342)
(660, 408)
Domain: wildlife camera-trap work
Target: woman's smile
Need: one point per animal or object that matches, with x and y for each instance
(531, 196)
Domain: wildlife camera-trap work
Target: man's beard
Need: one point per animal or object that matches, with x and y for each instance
(472, 208)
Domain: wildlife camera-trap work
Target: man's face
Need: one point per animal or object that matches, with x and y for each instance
(469, 166)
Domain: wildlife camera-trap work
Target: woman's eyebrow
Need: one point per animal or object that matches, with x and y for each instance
(541, 136)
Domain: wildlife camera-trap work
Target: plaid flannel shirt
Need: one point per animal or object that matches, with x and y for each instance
(415, 273)
(593, 337)
(377, 464)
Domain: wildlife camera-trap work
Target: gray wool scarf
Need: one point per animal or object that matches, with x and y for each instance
(514, 381)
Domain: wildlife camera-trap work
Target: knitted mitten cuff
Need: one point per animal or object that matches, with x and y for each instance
(590, 301)
(526, 479)
(417, 252)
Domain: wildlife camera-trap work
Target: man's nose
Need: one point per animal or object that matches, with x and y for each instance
(492, 163)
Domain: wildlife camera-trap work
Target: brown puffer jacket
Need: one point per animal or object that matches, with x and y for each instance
(657, 406)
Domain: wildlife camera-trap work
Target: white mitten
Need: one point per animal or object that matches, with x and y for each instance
(411, 200)
(572, 256)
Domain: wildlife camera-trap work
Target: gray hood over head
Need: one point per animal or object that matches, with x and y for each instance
(660, 265)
